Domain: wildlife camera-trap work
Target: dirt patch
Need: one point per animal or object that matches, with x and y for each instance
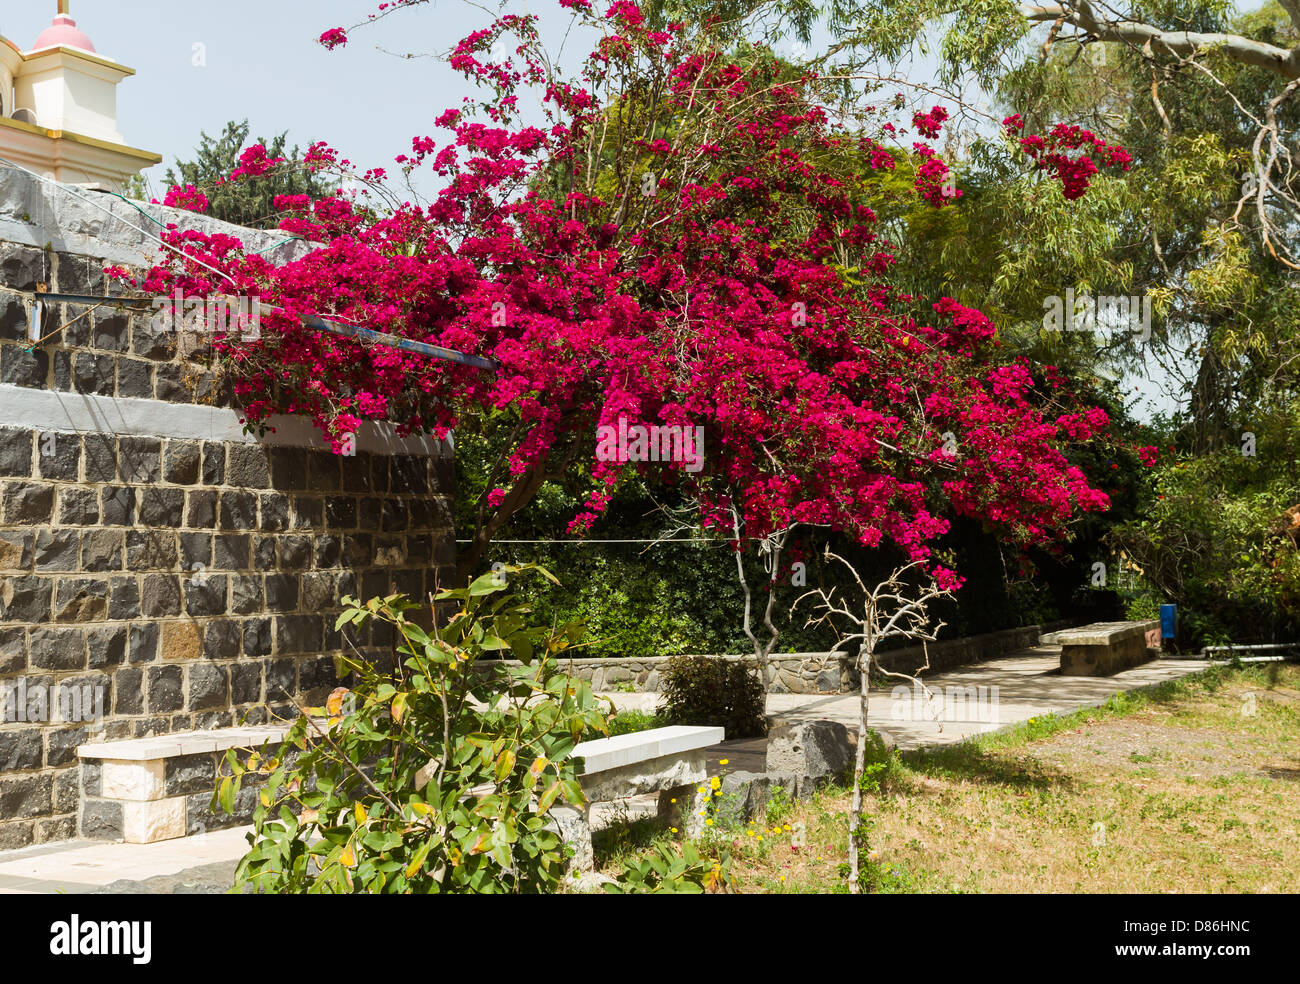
(1144, 747)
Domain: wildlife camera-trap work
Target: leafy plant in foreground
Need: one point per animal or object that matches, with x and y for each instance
(437, 776)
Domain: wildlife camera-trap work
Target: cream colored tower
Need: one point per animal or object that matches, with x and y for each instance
(58, 109)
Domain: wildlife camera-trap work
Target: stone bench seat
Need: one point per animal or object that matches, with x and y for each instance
(143, 790)
(1104, 648)
(670, 761)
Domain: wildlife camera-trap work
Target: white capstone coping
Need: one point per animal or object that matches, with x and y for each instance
(1102, 633)
(73, 220)
(59, 411)
(620, 750)
(182, 743)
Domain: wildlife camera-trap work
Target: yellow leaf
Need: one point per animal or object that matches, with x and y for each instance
(538, 765)
(399, 707)
(360, 813)
(505, 763)
(349, 856)
(334, 703)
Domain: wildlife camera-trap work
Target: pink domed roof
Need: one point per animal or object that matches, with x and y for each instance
(63, 31)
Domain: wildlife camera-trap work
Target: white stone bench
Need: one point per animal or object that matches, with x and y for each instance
(1104, 648)
(152, 789)
(144, 790)
(670, 761)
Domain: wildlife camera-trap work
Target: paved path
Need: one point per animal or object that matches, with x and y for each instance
(977, 699)
(202, 863)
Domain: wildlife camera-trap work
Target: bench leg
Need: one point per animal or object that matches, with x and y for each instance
(681, 808)
(575, 830)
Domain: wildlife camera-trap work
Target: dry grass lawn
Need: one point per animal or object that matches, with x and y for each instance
(1192, 787)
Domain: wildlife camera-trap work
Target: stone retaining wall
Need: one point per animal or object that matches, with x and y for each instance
(811, 673)
(157, 563)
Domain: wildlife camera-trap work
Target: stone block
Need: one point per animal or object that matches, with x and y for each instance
(179, 640)
(816, 752)
(15, 550)
(58, 456)
(140, 460)
(57, 649)
(162, 507)
(81, 600)
(105, 646)
(20, 749)
(78, 506)
(201, 509)
(57, 550)
(164, 689)
(156, 820)
(26, 599)
(117, 506)
(144, 780)
(135, 378)
(21, 367)
(189, 774)
(23, 797)
(123, 598)
(28, 503)
(247, 466)
(221, 639)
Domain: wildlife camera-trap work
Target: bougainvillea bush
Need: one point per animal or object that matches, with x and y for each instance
(686, 235)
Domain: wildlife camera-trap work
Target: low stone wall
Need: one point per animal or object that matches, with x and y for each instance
(811, 673)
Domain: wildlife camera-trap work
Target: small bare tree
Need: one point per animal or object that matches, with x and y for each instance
(893, 609)
(770, 550)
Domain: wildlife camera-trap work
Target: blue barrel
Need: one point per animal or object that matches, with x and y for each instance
(1168, 621)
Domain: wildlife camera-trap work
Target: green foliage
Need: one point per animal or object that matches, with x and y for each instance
(1218, 542)
(436, 776)
(882, 767)
(780, 807)
(249, 202)
(630, 722)
(670, 869)
(703, 690)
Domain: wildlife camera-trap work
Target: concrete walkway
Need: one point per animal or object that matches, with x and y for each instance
(975, 699)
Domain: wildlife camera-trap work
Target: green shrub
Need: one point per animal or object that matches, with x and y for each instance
(882, 768)
(711, 691)
(630, 722)
(435, 777)
(669, 869)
